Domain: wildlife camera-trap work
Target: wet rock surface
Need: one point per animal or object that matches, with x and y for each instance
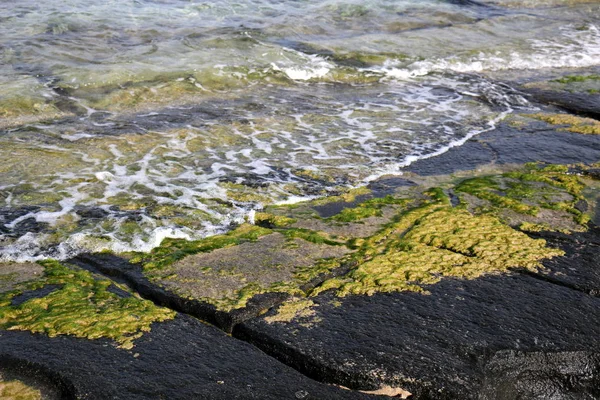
(580, 267)
(542, 375)
(180, 359)
(437, 346)
(512, 145)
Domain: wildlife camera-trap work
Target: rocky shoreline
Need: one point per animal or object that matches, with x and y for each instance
(475, 275)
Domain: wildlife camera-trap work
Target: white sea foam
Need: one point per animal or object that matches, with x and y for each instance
(303, 67)
(573, 49)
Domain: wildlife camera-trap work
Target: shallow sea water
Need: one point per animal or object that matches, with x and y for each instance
(125, 122)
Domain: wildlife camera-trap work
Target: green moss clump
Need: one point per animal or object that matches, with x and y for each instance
(295, 308)
(369, 208)
(530, 227)
(585, 126)
(487, 188)
(16, 390)
(530, 189)
(323, 266)
(438, 241)
(310, 236)
(273, 221)
(82, 306)
(576, 78)
(172, 250)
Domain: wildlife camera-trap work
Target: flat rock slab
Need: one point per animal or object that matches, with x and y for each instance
(120, 270)
(435, 346)
(514, 145)
(179, 359)
(221, 272)
(196, 284)
(12, 274)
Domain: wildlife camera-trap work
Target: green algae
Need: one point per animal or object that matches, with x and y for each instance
(17, 390)
(486, 187)
(439, 242)
(310, 236)
(172, 250)
(572, 123)
(273, 221)
(576, 78)
(528, 190)
(531, 227)
(292, 309)
(370, 208)
(82, 306)
(242, 296)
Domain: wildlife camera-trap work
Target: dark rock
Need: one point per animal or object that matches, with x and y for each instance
(384, 186)
(118, 291)
(542, 375)
(579, 269)
(29, 225)
(34, 294)
(593, 173)
(334, 208)
(51, 385)
(91, 212)
(582, 104)
(508, 145)
(10, 214)
(581, 205)
(179, 359)
(435, 346)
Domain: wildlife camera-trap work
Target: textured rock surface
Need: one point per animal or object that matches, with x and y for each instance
(435, 346)
(180, 359)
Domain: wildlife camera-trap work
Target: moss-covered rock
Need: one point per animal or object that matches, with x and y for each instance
(421, 237)
(535, 194)
(571, 123)
(433, 242)
(82, 306)
(229, 276)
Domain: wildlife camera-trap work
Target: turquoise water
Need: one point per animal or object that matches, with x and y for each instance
(126, 122)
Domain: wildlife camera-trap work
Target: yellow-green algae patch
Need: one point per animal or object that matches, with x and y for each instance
(292, 309)
(81, 306)
(586, 126)
(277, 221)
(437, 241)
(16, 390)
(369, 208)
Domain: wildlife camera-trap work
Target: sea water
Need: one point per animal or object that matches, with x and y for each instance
(126, 122)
